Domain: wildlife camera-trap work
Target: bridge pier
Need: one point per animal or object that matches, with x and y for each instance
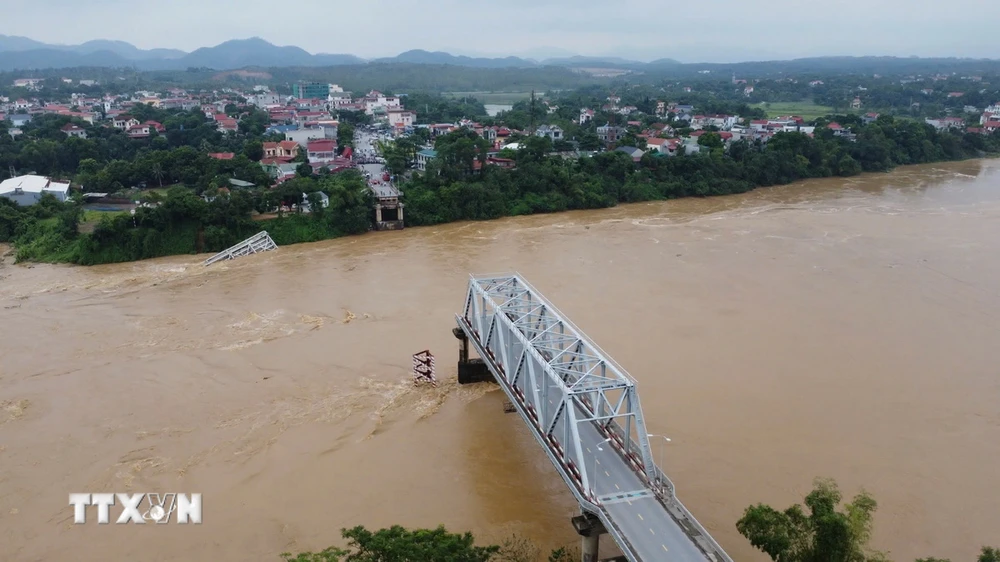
(590, 528)
(470, 370)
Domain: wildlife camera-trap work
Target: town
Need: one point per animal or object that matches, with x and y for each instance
(115, 153)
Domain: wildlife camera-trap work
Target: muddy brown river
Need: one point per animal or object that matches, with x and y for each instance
(840, 328)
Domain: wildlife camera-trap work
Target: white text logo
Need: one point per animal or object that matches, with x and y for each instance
(138, 508)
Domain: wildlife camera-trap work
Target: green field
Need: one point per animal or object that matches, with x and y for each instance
(804, 109)
(500, 98)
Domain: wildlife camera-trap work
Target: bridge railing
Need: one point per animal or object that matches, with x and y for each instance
(522, 337)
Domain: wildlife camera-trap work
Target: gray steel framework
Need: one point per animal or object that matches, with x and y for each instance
(260, 242)
(565, 386)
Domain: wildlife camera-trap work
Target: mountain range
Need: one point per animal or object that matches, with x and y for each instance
(22, 53)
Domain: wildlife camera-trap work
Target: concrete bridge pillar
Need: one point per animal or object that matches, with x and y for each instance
(590, 528)
(590, 547)
(469, 370)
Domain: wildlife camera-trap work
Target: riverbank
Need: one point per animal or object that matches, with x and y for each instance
(454, 190)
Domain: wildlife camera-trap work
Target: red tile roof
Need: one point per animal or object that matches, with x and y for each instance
(321, 145)
(222, 155)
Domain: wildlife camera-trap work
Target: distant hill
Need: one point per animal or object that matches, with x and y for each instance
(240, 53)
(418, 56)
(54, 58)
(121, 48)
(126, 50)
(577, 61)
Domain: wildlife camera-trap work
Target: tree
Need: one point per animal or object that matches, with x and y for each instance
(988, 554)
(397, 544)
(822, 535)
(304, 170)
(156, 170)
(254, 150)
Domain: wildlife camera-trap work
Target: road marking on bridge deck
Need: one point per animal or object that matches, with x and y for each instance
(640, 516)
(616, 487)
(664, 548)
(652, 531)
(606, 473)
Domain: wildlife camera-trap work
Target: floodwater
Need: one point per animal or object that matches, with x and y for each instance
(494, 109)
(840, 328)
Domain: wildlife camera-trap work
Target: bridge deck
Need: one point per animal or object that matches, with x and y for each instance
(585, 414)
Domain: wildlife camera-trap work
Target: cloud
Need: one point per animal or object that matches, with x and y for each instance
(708, 31)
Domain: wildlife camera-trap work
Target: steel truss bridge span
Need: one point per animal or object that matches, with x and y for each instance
(583, 409)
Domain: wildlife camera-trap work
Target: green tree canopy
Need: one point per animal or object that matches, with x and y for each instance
(824, 534)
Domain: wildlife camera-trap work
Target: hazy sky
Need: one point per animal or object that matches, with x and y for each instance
(698, 31)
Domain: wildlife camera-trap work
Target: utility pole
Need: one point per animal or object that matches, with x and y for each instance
(531, 128)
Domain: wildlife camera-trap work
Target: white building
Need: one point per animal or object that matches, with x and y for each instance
(554, 132)
(303, 136)
(28, 190)
(376, 100)
(400, 118)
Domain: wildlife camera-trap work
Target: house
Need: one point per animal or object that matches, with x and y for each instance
(279, 171)
(955, 94)
(633, 152)
(856, 104)
(586, 115)
(124, 122)
(840, 131)
(321, 151)
(946, 123)
(657, 144)
(27, 82)
(303, 136)
(222, 155)
(425, 156)
(144, 130)
(227, 125)
(610, 134)
(72, 130)
(500, 162)
(376, 101)
(19, 120)
(553, 132)
(324, 201)
(400, 118)
(28, 190)
(869, 118)
(283, 149)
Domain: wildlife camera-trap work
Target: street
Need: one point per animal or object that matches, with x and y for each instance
(369, 163)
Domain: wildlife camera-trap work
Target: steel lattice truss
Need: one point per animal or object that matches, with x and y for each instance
(542, 355)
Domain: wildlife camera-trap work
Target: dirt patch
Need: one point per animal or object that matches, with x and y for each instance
(11, 410)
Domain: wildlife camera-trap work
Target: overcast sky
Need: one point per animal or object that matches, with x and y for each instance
(699, 31)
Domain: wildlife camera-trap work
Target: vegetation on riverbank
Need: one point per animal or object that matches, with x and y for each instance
(818, 533)
(456, 187)
(184, 223)
(397, 544)
(822, 533)
(459, 185)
